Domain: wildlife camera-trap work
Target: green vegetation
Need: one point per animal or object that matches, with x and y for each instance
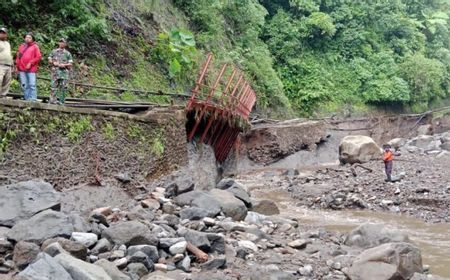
(108, 131)
(304, 57)
(158, 145)
(76, 128)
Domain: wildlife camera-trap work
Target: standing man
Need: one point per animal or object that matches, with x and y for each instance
(388, 157)
(61, 61)
(6, 63)
(27, 62)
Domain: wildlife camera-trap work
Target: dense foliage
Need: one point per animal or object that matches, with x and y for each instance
(372, 52)
(304, 55)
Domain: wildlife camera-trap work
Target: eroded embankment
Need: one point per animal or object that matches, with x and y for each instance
(298, 143)
(69, 146)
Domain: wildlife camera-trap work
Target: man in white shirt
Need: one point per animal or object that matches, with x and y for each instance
(6, 63)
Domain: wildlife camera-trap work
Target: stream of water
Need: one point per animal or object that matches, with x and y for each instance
(432, 239)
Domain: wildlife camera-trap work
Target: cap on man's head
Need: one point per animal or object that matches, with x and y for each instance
(4, 30)
(62, 40)
(386, 146)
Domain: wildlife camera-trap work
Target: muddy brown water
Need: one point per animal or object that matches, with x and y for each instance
(432, 239)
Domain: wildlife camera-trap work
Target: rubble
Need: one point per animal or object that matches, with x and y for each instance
(225, 233)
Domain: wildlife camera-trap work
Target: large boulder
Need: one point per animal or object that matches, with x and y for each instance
(79, 269)
(201, 200)
(358, 149)
(42, 226)
(265, 207)
(371, 235)
(22, 200)
(45, 267)
(387, 262)
(397, 143)
(425, 142)
(229, 204)
(129, 233)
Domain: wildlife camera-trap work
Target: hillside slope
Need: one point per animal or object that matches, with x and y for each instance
(304, 56)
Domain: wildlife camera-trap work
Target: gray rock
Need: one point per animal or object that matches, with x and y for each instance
(4, 232)
(23, 200)
(248, 245)
(79, 269)
(178, 248)
(129, 233)
(388, 261)
(42, 226)
(103, 245)
(86, 238)
(184, 184)
(265, 207)
(358, 149)
(75, 249)
(5, 246)
(45, 268)
(165, 243)
(185, 264)
(79, 223)
(230, 205)
(422, 141)
(397, 143)
(25, 253)
(121, 263)
(123, 177)
(216, 263)
(298, 244)
(141, 257)
(198, 239)
(158, 276)
(54, 249)
(371, 235)
(137, 269)
(150, 251)
(255, 218)
(112, 270)
(306, 270)
(140, 213)
(201, 200)
(226, 183)
(281, 275)
(240, 193)
(445, 146)
(418, 276)
(217, 242)
(193, 213)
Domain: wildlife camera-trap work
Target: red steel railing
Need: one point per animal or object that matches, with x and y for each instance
(220, 106)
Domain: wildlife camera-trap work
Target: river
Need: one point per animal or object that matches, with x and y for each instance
(432, 239)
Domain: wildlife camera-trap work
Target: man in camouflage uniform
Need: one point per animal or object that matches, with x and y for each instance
(61, 61)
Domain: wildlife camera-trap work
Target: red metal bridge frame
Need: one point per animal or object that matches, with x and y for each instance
(226, 115)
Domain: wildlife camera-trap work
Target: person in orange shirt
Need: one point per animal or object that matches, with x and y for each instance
(388, 157)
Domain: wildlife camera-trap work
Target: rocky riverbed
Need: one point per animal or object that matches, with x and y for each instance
(178, 228)
(422, 192)
(172, 231)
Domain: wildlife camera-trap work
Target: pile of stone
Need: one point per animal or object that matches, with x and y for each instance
(438, 144)
(172, 228)
(178, 232)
